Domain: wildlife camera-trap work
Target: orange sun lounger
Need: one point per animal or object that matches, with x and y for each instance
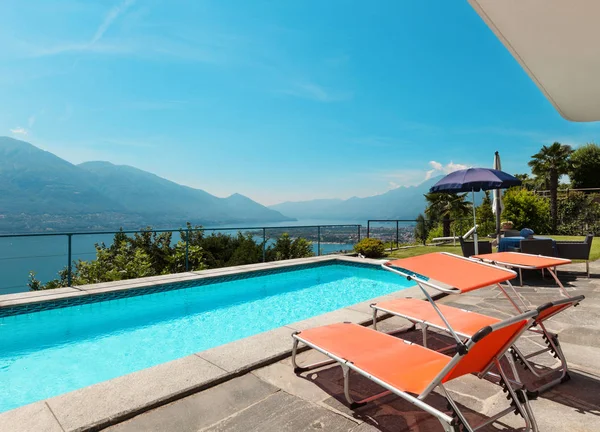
(466, 323)
(461, 275)
(412, 371)
(522, 261)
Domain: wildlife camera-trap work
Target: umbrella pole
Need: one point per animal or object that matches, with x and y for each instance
(475, 225)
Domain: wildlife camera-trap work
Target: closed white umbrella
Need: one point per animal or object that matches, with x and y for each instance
(497, 205)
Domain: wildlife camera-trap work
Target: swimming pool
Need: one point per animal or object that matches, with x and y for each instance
(50, 352)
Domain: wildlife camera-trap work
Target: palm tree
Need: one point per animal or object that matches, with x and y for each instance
(550, 163)
(446, 206)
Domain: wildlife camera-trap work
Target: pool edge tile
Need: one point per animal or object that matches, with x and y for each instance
(83, 294)
(338, 315)
(251, 352)
(36, 416)
(108, 402)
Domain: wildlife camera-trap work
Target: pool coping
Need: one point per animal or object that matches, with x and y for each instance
(109, 402)
(79, 294)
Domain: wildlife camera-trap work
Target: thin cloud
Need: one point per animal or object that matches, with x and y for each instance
(93, 45)
(97, 48)
(19, 131)
(110, 18)
(312, 91)
(31, 121)
(438, 168)
(155, 105)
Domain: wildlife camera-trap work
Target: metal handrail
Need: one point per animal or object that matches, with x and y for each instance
(185, 236)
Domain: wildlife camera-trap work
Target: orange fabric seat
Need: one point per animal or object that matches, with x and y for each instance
(458, 272)
(523, 260)
(463, 322)
(407, 367)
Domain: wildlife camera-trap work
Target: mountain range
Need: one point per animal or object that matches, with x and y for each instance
(405, 202)
(40, 191)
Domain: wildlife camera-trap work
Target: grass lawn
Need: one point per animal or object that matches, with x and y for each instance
(420, 250)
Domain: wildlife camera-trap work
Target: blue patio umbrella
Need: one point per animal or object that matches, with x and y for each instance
(474, 180)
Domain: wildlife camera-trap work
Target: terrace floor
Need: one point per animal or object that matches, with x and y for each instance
(273, 398)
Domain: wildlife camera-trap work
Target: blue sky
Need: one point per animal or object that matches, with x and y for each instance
(278, 100)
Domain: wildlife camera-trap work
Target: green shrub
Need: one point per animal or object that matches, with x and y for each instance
(527, 210)
(435, 232)
(421, 229)
(370, 248)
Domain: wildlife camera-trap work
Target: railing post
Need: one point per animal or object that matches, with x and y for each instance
(187, 250)
(368, 228)
(359, 227)
(319, 241)
(70, 258)
(264, 245)
(397, 245)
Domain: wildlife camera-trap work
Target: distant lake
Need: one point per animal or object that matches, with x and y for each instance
(47, 255)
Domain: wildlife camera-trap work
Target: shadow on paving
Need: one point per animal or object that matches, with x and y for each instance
(581, 392)
(390, 413)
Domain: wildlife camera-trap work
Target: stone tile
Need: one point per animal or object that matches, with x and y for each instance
(365, 427)
(282, 412)
(583, 357)
(282, 375)
(201, 410)
(583, 336)
(98, 405)
(251, 352)
(336, 316)
(473, 392)
(30, 418)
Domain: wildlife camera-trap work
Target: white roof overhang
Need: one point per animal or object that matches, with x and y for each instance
(557, 42)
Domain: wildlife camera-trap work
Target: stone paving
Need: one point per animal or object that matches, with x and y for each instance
(273, 398)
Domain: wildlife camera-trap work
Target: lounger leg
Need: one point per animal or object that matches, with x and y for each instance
(516, 398)
(374, 319)
(455, 408)
(516, 306)
(526, 404)
(353, 404)
(559, 283)
(521, 276)
(299, 369)
(294, 352)
(424, 330)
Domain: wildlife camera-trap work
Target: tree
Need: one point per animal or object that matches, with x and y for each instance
(485, 216)
(579, 214)
(247, 251)
(584, 171)
(526, 210)
(421, 229)
(446, 207)
(286, 248)
(149, 253)
(532, 183)
(551, 162)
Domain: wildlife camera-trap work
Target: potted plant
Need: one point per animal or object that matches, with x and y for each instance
(506, 225)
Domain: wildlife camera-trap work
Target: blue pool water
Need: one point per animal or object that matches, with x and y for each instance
(44, 354)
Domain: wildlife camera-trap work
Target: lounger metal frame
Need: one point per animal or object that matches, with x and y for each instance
(550, 338)
(515, 389)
